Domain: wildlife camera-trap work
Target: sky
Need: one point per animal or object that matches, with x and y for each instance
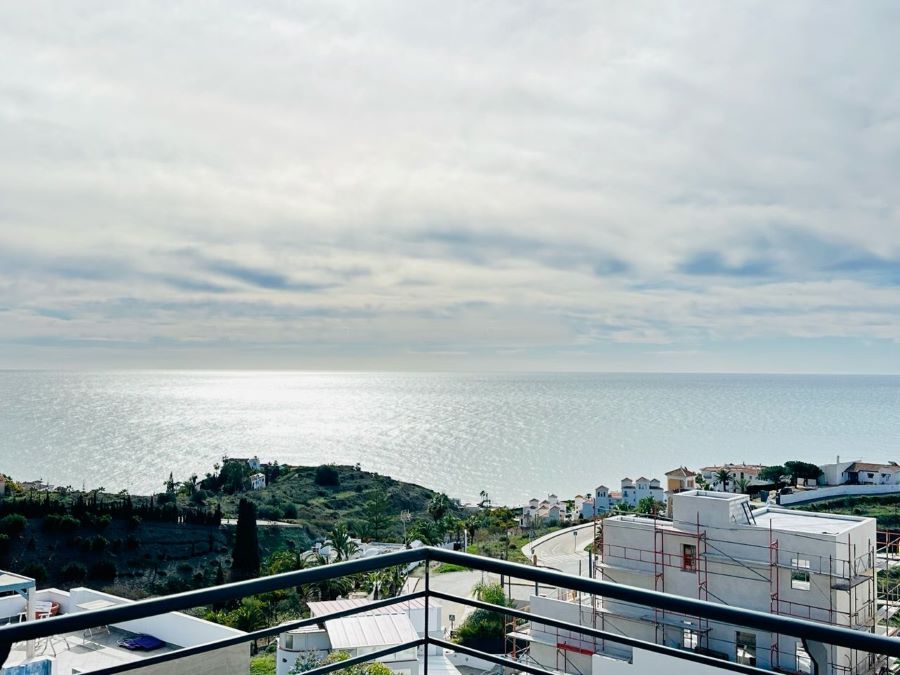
(615, 186)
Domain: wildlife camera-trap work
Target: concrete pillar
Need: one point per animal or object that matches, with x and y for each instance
(29, 616)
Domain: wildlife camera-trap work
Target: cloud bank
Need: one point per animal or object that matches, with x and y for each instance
(621, 185)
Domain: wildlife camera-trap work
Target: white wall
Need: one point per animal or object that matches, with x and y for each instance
(650, 663)
(838, 491)
(174, 627)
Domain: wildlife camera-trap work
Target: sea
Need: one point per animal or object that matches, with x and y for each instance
(513, 436)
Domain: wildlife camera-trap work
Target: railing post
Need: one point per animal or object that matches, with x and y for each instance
(427, 645)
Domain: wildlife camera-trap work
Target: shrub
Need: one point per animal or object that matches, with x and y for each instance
(270, 513)
(73, 571)
(134, 522)
(132, 542)
(36, 571)
(185, 568)
(99, 543)
(290, 511)
(103, 569)
(4, 543)
(327, 474)
(104, 521)
(13, 524)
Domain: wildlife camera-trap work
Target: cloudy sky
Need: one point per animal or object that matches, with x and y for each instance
(430, 185)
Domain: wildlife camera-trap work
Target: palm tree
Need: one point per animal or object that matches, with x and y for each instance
(485, 499)
(439, 506)
(723, 476)
(742, 484)
(343, 545)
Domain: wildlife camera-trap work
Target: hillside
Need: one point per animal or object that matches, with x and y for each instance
(138, 546)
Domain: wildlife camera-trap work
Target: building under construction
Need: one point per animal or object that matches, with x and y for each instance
(717, 547)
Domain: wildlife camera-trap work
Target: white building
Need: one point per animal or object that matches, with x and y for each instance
(634, 491)
(363, 632)
(738, 473)
(85, 651)
(254, 463)
(257, 481)
(861, 473)
(808, 565)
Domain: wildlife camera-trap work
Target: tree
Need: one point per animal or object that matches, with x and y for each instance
(327, 475)
(647, 505)
(377, 516)
(797, 470)
(341, 542)
(742, 484)
(482, 623)
(723, 476)
(245, 558)
(485, 498)
(439, 506)
(773, 474)
(700, 482)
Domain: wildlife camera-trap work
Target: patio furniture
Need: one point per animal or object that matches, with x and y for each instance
(93, 605)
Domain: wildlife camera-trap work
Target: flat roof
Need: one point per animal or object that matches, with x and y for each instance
(326, 607)
(804, 521)
(379, 630)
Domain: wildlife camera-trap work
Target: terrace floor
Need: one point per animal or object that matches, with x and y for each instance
(75, 651)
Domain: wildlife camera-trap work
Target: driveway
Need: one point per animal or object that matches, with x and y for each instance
(563, 550)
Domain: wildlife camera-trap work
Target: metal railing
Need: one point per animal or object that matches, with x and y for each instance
(813, 635)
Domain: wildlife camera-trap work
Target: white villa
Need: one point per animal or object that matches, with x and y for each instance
(738, 472)
(631, 492)
(861, 473)
(257, 481)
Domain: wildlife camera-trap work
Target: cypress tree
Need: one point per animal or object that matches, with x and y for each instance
(245, 558)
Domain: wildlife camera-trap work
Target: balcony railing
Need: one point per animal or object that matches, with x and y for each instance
(815, 636)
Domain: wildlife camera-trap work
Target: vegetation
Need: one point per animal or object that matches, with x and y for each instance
(327, 475)
(648, 505)
(885, 509)
(373, 668)
(790, 472)
(483, 624)
(723, 476)
(245, 558)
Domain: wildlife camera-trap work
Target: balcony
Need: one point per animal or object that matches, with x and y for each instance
(582, 631)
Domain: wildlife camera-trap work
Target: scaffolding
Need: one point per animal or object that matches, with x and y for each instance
(718, 555)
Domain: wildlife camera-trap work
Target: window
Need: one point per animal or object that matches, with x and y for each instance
(287, 642)
(804, 662)
(800, 574)
(800, 580)
(689, 557)
(746, 648)
(690, 639)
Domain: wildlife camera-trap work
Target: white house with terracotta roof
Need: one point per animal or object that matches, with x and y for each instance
(748, 472)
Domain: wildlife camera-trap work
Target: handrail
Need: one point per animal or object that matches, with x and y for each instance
(804, 629)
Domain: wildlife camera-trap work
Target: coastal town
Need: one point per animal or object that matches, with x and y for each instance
(775, 484)
(764, 538)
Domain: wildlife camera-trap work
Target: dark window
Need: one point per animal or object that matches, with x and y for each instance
(689, 557)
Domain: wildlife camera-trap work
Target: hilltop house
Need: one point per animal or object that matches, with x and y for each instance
(738, 472)
(679, 480)
(861, 473)
(257, 481)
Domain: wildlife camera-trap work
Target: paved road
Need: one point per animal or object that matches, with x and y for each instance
(565, 551)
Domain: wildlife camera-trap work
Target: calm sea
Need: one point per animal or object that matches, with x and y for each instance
(514, 436)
